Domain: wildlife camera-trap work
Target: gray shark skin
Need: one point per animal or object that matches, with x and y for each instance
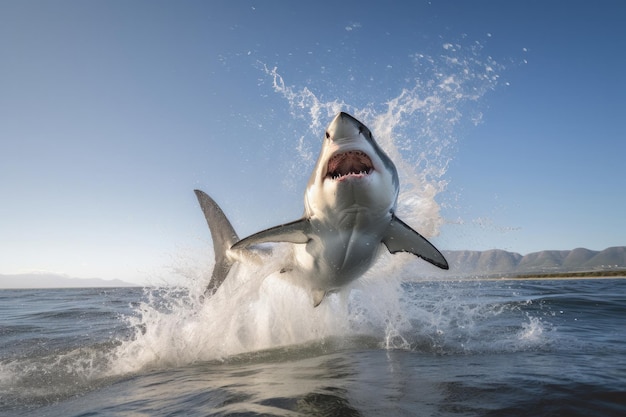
(224, 236)
(349, 207)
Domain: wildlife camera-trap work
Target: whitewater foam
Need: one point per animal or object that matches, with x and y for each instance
(255, 309)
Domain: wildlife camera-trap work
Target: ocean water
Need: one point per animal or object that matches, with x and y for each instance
(426, 348)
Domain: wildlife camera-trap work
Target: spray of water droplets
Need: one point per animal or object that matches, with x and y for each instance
(255, 309)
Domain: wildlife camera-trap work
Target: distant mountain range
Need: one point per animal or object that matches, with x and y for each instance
(498, 262)
(45, 280)
(464, 263)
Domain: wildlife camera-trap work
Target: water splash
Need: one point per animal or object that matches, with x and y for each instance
(255, 309)
(418, 127)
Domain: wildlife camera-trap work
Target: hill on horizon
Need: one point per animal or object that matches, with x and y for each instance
(463, 264)
(500, 262)
(48, 280)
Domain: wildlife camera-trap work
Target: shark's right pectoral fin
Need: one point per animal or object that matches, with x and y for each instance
(294, 232)
(224, 236)
(318, 296)
(399, 237)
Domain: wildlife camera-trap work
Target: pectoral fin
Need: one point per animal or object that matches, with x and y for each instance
(401, 238)
(318, 296)
(294, 232)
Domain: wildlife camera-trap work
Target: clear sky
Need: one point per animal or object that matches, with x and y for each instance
(112, 112)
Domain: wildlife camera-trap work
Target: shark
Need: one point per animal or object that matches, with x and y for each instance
(349, 217)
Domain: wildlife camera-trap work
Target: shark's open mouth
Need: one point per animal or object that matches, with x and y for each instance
(351, 163)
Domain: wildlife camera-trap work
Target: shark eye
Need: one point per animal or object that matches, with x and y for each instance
(327, 135)
(365, 132)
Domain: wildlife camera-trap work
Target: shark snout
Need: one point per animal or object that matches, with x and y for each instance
(345, 127)
(348, 149)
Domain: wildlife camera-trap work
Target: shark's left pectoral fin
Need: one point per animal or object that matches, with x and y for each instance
(399, 237)
(294, 232)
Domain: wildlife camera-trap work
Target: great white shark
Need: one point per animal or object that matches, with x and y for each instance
(349, 215)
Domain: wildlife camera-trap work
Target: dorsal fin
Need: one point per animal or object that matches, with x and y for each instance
(224, 236)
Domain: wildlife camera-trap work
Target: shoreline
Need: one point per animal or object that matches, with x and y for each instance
(571, 275)
(618, 274)
(559, 278)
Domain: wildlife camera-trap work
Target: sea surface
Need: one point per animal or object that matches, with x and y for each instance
(426, 348)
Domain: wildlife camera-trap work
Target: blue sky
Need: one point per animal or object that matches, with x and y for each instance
(111, 113)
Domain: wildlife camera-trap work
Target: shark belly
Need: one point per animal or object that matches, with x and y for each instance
(339, 254)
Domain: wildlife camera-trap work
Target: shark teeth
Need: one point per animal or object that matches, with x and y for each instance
(351, 163)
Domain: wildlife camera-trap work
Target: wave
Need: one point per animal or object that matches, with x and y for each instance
(268, 321)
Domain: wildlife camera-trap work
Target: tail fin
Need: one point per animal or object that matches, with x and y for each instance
(224, 236)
